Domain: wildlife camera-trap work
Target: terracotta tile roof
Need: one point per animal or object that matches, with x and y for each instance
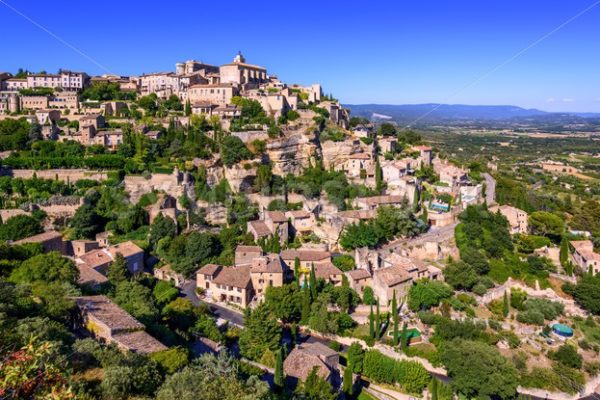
(388, 199)
(357, 274)
(127, 249)
(248, 249)
(260, 228)
(89, 276)
(326, 270)
(40, 238)
(357, 214)
(306, 255)
(138, 342)
(299, 365)
(238, 277)
(270, 264)
(107, 312)
(275, 216)
(307, 356)
(392, 276)
(360, 156)
(298, 214)
(209, 269)
(96, 258)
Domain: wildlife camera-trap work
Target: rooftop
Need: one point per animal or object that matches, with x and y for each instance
(108, 313)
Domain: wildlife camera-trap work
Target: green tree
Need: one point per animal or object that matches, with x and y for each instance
(479, 370)
(297, 269)
(545, 223)
(19, 227)
(567, 356)
(355, 356)
(564, 251)
(426, 294)
(49, 267)
(505, 305)
(371, 323)
(395, 318)
(316, 388)
(137, 300)
(404, 341)
(171, 360)
(161, 227)
(261, 332)
(118, 270)
(348, 382)
(233, 150)
(279, 379)
(86, 222)
(313, 283)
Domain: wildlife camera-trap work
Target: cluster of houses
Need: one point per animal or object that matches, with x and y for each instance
(209, 89)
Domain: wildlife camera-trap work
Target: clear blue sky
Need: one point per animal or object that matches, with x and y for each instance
(392, 52)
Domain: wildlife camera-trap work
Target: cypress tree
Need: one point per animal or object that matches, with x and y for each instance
(434, 389)
(305, 311)
(348, 381)
(378, 326)
(371, 323)
(564, 251)
(188, 108)
(297, 269)
(378, 175)
(505, 305)
(395, 318)
(278, 378)
(313, 283)
(404, 341)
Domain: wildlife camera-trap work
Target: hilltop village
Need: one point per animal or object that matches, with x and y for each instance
(215, 218)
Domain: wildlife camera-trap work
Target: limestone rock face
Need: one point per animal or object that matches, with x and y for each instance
(175, 184)
(240, 177)
(292, 153)
(336, 153)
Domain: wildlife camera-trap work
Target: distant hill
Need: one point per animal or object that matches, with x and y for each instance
(457, 113)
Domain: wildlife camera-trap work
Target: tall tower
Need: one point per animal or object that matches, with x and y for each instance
(239, 58)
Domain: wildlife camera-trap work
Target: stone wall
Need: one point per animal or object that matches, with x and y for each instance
(66, 175)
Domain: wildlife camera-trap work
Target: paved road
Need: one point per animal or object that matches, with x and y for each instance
(490, 189)
(189, 292)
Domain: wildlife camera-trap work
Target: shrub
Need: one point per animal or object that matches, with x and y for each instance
(412, 376)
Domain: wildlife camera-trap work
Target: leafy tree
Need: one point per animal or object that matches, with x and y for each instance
(316, 388)
(426, 294)
(344, 262)
(368, 296)
(261, 333)
(86, 222)
(546, 224)
(386, 129)
(586, 293)
(355, 356)
(49, 267)
(233, 150)
(137, 300)
(19, 227)
(180, 314)
(460, 275)
(285, 302)
(410, 375)
(567, 356)
(171, 360)
(161, 227)
(479, 370)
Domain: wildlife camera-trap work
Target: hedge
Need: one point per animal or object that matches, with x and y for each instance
(411, 375)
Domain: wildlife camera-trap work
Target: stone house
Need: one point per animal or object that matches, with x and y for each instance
(226, 284)
(50, 241)
(100, 259)
(517, 218)
(307, 356)
(374, 202)
(109, 323)
(302, 222)
(245, 254)
(273, 222)
(584, 256)
(166, 273)
(307, 257)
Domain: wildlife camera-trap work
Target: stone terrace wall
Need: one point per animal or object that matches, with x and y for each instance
(71, 175)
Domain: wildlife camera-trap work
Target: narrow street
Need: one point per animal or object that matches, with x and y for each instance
(188, 291)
